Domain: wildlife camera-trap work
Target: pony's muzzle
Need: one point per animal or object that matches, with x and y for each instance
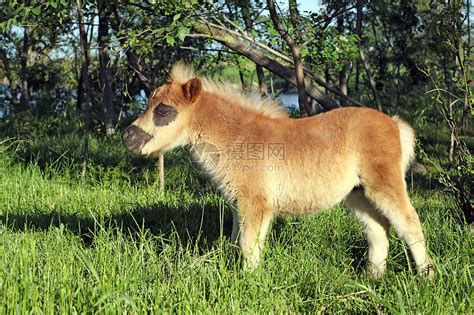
(134, 138)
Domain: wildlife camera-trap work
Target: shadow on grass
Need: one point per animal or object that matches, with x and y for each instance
(195, 225)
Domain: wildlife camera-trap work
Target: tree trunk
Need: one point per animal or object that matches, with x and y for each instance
(452, 135)
(83, 100)
(162, 172)
(372, 83)
(241, 74)
(25, 93)
(294, 14)
(450, 111)
(262, 85)
(357, 75)
(9, 81)
(466, 112)
(365, 64)
(105, 71)
(343, 71)
(397, 85)
(343, 84)
(305, 109)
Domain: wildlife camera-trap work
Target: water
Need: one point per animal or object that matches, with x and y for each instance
(290, 100)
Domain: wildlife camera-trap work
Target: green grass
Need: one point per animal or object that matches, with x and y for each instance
(115, 244)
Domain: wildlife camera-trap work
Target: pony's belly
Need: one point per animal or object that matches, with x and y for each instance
(311, 195)
(305, 204)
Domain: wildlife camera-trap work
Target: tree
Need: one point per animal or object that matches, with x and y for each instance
(106, 78)
(245, 8)
(457, 175)
(83, 101)
(234, 38)
(25, 93)
(363, 60)
(305, 110)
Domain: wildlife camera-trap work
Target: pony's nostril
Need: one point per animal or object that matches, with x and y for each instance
(134, 138)
(127, 135)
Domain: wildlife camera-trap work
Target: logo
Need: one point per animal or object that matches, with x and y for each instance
(238, 156)
(206, 156)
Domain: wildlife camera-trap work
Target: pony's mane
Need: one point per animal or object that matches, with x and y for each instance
(183, 73)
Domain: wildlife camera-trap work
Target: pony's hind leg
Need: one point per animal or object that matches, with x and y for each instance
(387, 190)
(376, 229)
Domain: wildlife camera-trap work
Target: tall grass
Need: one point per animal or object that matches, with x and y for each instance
(115, 244)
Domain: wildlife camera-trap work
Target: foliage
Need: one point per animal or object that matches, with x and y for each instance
(32, 12)
(457, 175)
(172, 27)
(333, 50)
(455, 102)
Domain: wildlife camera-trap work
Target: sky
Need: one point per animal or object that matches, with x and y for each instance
(309, 5)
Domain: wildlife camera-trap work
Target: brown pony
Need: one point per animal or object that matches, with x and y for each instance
(270, 165)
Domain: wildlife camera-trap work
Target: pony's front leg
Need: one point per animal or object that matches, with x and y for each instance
(255, 221)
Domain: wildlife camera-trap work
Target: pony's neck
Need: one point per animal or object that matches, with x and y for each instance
(218, 118)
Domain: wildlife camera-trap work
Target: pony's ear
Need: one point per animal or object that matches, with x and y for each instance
(192, 89)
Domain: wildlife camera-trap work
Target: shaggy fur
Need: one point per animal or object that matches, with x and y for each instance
(270, 165)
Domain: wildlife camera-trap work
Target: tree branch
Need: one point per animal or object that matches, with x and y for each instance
(277, 54)
(250, 51)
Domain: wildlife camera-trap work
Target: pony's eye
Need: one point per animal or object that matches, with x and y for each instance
(163, 109)
(164, 114)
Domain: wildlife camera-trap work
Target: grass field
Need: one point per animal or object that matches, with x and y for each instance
(115, 244)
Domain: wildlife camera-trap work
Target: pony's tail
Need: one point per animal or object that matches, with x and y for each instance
(407, 141)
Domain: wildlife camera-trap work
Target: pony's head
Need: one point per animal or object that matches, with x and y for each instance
(165, 122)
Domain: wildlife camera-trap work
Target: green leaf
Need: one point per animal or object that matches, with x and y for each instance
(54, 4)
(88, 264)
(36, 10)
(176, 17)
(182, 32)
(170, 40)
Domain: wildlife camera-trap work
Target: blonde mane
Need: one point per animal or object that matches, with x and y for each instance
(182, 73)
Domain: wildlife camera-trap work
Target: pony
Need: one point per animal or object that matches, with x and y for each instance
(268, 164)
